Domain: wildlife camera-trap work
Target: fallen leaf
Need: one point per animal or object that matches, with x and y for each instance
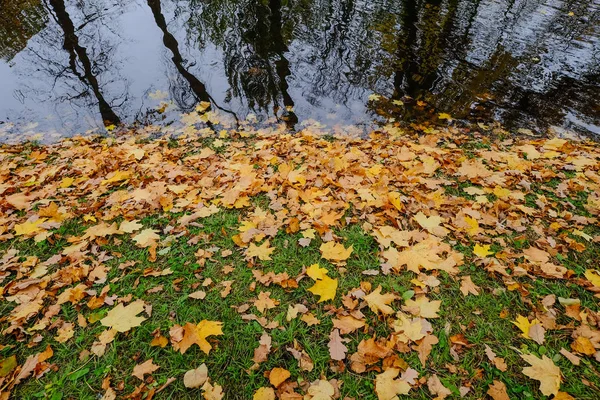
(570, 356)
(145, 368)
(195, 378)
(197, 334)
(278, 376)
(347, 324)
(497, 391)
(388, 387)
(263, 252)
(544, 371)
(335, 251)
(583, 345)
(265, 302)
(264, 393)
(212, 392)
(123, 318)
(337, 349)
(325, 288)
(482, 251)
(378, 302)
(436, 387)
(468, 287)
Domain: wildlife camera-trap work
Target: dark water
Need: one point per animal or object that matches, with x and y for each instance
(67, 66)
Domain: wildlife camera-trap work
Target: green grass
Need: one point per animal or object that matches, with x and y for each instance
(230, 361)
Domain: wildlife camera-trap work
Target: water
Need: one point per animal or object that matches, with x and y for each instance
(72, 66)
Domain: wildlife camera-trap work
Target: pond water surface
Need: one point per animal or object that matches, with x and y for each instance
(73, 65)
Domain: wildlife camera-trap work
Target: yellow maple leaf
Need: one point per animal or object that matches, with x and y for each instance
(379, 302)
(593, 276)
(116, 176)
(524, 325)
(66, 182)
(545, 371)
(502, 193)
(324, 287)
(388, 387)
(335, 251)
(445, 116)
(263, 252)
(205, 329)
(316, 272)
(423, 307)
(408, 328)
(123, 318)
(482, 251)
(472, 225)
(394, 199)
(29, 228)
(197, 334)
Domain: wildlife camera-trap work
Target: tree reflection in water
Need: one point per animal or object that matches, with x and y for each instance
(527, 63)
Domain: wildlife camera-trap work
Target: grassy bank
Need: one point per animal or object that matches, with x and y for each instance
(116, 251)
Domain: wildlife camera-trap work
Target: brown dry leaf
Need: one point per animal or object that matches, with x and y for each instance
(145, 368)
(497, 391)
(304, 360)
(337, 349)
(226, 288)
(320, 390)
(570, 356)
(195, 378)
(261, 353)
(347, 324)
(264, 302)
(198, 295)
(468, 287)
(436, 387)
(497, 361)
(537, 332)
(425, 346)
